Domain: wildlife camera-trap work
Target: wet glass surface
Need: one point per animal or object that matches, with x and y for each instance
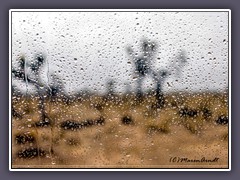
(120, 89)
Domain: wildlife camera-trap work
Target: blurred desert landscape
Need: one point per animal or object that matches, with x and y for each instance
(110, 89)
(97, 132)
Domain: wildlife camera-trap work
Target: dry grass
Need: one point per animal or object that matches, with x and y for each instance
(152, 137)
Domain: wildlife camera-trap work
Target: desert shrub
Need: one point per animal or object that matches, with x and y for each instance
(192, 119)
(31, 153)
(77, 125)
(187, 112)
(69, 124)
(24, 138)
(127, 120)
(100, 121)
(207, 113)
(222, 120)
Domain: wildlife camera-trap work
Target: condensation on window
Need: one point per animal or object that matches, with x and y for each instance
(120, 89)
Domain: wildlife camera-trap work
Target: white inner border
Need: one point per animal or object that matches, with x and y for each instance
(119, 10)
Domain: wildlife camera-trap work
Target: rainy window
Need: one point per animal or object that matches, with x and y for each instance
(105, 89)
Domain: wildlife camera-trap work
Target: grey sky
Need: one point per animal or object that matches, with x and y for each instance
(86, 49)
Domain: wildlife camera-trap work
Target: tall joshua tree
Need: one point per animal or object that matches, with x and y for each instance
(143, 68)
(110, 88)
(161, 75)
(142, 63)
(159, 78)
(21, 74)
(52, 90)
(55, 88)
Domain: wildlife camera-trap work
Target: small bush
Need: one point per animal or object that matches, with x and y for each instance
(186, 112)
(100, 121)
(127, 120)
(31, 153)
(75, 125)
(72, 125)
(206, 113)
(24, 138)
(222, 120)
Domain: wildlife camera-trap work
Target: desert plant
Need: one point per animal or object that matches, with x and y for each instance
(142, 63)
(127, 120)
(222, 120)
(44, 91)
(21, 74)
(143, 68)
(110, 89)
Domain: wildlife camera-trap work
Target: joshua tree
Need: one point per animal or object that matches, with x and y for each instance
(161, 75)
(110, 88)
(21, 74)
(159, 78)
(143, 68)
(142, 63)
(34, 79)
(55, 88)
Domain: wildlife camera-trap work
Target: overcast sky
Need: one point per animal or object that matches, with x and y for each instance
(86, 49)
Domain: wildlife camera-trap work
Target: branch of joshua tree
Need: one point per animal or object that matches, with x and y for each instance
(159, 75)
(21, 76)
(38, 85)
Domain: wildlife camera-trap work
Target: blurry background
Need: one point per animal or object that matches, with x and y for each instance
(87, 49)
(84, 67)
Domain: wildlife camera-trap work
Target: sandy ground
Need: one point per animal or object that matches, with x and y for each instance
(155, 138)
